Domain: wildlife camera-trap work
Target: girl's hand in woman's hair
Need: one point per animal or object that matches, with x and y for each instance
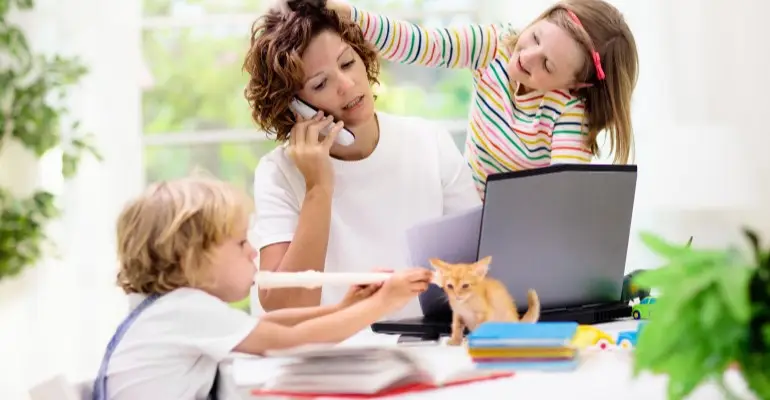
(341, 8)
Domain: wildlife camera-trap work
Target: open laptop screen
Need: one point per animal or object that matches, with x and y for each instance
(562, 230)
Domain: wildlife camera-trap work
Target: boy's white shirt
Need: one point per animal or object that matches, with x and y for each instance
(415, 173)
(173, 348)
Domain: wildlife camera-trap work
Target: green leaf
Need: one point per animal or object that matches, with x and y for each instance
(688, 264)
(755, 244)
(23, 237)
(656, 342)
(685, 375)
(734, 291)
(660, 246)
(33, 88)
(756, 371)
(711, 312)
(766, 333)
(25, 4)
(700, 322)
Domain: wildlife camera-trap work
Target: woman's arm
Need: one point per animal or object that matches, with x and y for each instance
(305, 252)
(292, 237)
(469, 46)
(310, 235)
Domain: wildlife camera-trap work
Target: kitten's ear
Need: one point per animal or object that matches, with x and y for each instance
(481, 267)
(438, 265)
(440, 268)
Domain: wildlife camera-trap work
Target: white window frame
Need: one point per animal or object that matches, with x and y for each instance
(457, 127)
(454, 126)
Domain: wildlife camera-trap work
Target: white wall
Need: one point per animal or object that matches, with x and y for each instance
(59, 316)
(698, 108)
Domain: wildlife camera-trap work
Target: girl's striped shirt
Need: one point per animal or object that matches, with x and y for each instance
(506, 132)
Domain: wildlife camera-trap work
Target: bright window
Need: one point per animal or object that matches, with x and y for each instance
(194, 112)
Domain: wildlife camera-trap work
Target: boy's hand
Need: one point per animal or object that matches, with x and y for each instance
(405, 285)
(360, 292)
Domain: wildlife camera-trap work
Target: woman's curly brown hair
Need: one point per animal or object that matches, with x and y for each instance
(274, 60)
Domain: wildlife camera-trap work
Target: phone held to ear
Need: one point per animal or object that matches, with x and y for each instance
(344, 137)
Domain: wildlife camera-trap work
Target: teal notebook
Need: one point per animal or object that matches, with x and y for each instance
(561, 365)
(513, 334)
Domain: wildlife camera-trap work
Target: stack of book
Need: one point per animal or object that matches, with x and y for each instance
(523, 346)
(362, 372)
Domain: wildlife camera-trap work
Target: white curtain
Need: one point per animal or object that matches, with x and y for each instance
(58, 317)
(698, 115)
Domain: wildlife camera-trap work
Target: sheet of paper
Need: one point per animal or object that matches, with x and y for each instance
(452, 238)
(253, 371)
(256, 371)
(368, 338)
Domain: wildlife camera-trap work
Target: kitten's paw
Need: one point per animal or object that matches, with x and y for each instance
(454, 341)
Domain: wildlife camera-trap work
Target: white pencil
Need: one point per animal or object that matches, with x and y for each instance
(315, 279)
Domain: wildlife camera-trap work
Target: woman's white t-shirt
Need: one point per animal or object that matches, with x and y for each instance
(173, 348)
(415, 173)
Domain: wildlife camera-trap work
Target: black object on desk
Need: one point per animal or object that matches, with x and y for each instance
(437, 325)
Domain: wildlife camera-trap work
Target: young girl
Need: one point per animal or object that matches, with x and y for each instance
(183, 255)
(542, 95)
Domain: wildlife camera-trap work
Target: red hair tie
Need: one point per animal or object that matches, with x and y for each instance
(594, 54)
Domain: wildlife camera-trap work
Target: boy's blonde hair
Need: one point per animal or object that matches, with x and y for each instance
(166, 235)
(608, 101)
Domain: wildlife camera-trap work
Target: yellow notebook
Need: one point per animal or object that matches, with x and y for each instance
(526, 352)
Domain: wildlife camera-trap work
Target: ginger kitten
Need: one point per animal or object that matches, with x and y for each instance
(476, 298)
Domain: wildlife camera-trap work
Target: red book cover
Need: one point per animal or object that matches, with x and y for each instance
(409, 388)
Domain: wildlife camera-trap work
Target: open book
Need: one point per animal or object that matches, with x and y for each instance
(364, 372)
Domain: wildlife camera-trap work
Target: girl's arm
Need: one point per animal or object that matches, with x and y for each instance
(568, 142)
(469, 46)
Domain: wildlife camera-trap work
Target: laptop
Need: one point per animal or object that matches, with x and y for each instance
(562, 230)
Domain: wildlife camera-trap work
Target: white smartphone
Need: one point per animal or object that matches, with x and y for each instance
(344, 137)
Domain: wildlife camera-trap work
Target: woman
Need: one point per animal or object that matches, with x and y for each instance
(327, 207)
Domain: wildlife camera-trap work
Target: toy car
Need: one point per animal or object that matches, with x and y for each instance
(627, 339)
(643, 310)
(588, 336)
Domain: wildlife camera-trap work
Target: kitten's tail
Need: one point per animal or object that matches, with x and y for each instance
(533, 310)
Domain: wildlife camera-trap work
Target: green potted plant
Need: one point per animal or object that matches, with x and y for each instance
(33, 88)
(712, 314)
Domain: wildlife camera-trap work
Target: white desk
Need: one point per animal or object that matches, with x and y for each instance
(601, 375)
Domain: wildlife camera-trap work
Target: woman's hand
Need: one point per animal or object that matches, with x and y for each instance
(311, 153)
(357, 293)
(405, 285)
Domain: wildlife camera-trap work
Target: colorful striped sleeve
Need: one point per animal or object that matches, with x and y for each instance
(469, 46)
(568, 141)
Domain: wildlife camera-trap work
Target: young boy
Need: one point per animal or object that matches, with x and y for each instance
(183, 256)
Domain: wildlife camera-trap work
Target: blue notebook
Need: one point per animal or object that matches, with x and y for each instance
(512, 334)
(556, 366)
